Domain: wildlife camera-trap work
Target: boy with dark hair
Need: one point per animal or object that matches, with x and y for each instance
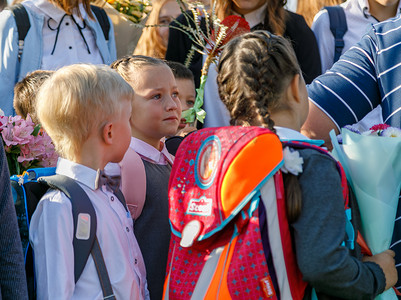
(25, 93)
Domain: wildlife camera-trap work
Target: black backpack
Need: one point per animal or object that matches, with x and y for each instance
(338, 27)
(23, 23)
(27, 190)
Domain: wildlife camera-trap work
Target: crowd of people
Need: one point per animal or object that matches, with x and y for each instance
(123, 115)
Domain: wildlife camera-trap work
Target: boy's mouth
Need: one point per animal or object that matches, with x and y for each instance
(182, 124)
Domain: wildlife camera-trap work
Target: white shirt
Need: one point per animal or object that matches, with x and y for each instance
(358, 21)
(51, 234)
(291, 5)
(150, 153)
(70, 46)
(290, 134)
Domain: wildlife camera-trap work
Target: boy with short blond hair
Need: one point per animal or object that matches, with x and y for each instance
(85, 109)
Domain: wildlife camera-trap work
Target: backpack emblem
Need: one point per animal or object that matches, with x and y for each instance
(200, 207)
(206, 161)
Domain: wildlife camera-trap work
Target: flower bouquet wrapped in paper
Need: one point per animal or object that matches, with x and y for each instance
(372, 163)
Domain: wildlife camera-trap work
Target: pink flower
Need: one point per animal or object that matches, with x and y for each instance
(26, 144)
(378, 127)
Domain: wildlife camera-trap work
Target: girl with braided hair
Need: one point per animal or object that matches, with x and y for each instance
(260, 82)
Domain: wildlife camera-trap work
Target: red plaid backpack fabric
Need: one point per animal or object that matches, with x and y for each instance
(220, 178)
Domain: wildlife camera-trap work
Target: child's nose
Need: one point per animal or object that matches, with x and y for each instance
(172, 104)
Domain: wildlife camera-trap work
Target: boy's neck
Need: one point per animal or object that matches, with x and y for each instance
(154, 142)
(92, 155)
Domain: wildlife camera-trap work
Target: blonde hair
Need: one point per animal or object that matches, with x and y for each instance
(150, 43)
(309, 8)
(78, 100)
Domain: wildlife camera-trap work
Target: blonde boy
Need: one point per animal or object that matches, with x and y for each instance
(86, 110)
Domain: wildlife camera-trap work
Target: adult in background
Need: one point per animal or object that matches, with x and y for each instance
(359, 14)
(62, 32)
(3, 4)
(309, 8)
(12, 272)
(261, 14)
(153, 41)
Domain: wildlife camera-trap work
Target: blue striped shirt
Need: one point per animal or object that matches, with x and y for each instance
(367, 75)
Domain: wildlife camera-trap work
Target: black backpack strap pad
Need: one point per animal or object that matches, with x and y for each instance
(21, 19)
(103, 20)
(338, 27)
(80, 204)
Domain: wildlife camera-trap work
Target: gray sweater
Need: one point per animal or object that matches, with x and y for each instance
(12, 272)
(152, 228)
(319, 232)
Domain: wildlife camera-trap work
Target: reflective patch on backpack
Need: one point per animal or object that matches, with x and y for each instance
(267, 287)
(83, 226)
(200, 207)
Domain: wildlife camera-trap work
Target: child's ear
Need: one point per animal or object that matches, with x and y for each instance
(107, 133)
(294, 88)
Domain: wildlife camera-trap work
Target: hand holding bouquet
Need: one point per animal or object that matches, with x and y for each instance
(372, 163)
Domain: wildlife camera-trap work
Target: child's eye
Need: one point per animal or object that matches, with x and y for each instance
(190, 103)
(157, 97)
(174, 95)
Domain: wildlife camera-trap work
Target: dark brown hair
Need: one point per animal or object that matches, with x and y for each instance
(25, 93)
(180, 71)
(275, 15)
(253, 72)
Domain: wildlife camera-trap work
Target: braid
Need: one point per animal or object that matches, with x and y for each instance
(253, 72)
(129, 64)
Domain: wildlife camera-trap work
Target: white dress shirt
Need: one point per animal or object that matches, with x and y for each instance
(51, 234)
(70, 46)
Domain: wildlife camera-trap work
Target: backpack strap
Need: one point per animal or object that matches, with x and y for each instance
(133, 182)
(103, 20)
(84, 242)
(338, 27)
(23, 25)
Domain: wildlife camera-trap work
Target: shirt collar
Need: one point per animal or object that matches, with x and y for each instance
(56, 13)
(255, 17)
(78, 172)
(289, 134)
(150, 153)
(364, 6)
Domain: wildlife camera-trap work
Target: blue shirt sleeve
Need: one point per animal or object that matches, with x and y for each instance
(350, 89)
